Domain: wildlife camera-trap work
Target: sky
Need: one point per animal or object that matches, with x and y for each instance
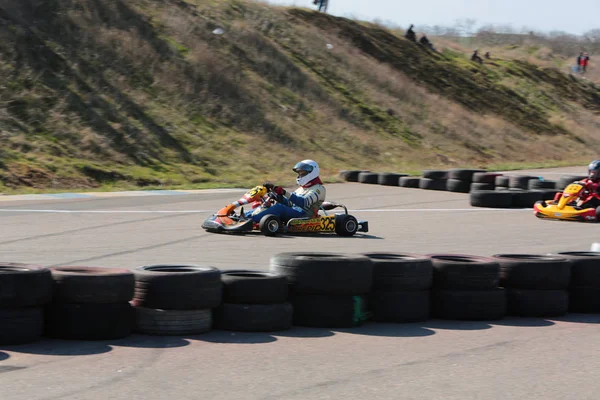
(577, 17)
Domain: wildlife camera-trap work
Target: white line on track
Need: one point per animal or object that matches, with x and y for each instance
(387, 210)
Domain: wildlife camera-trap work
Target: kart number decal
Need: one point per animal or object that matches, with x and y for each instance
(254, 191)
(328, 223)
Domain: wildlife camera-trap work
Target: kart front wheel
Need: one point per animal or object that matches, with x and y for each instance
(345, 225)
(269, 225)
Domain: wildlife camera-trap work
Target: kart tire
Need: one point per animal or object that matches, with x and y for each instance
(458, 186)
(491, 198)
(482, 186)
(537, 303)
(329, 311)
(389, 178)
(463, 174)
(502, 181)
(269, 225)
(325, 273)
(585, 268)
(368, 177)
(92, 285)
(432, 184)
(400, 307)
(24, 285)
(395, 272)
(485, 177)
(89, 321)
(464, 272)
(253, 287)
(469, 305)
(253, 317)
(21, 325)
(585, 300)
(345, 225)
(435, 174)
(177, 287)
(409, 182)
(172, 322)
(533, 271)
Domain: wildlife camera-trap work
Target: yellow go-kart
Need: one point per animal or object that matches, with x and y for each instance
(567, 205)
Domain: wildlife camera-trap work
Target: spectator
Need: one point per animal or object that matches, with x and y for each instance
(584, 62)
(475, 57)
(426, 42)
(488, 55)
(579, 61)
(410, 34)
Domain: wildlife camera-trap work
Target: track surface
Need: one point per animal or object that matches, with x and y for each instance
(509, 359)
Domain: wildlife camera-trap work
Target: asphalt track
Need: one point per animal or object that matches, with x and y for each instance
(516, 358)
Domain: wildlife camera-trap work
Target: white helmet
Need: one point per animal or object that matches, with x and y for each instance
(311, 171)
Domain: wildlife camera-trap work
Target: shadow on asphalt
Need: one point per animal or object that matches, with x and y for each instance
(4, 356)
(305, 332)
(56, 347)
(457, 325)
(151, 342)
(217, 336)
(522, 321)
(580, 318)
(389, 330)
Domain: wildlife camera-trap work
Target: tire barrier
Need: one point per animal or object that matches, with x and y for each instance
(409, 182)
(368, 177)
(389, 178)
(175, 299)
(90, 303)
(327, 290)
(351, 176)
(509, 198)
(253, 301)
(562, 183)
(432, 184)
(24, 290)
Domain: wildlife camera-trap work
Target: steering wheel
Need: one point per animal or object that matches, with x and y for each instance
(275, 197)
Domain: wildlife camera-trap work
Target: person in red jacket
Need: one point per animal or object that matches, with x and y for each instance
(590, 198)
(583, 62)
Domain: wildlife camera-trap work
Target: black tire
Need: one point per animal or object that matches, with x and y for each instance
(269, 225)
(585, 268)
(432, 184)
(463, 174)
(533, 271)
(177, 287)
(464, 272)
(395, 272)
(253, 287)
(501, 181)
(400, 306)
(485, 177)
(491, 198)
(469, 305)
(584, 300)
(327, 311)
(481, 186)
(368, 177)
(520, 181)
(435, 174)
(21, 325)
(409, 182)
(352, 176)
(88, 321)
(566, 180)
(92, 285)
(535, 184)
(501, 188)
(24, 285)
(345, 225)
(172, 322)
(537, 303)
(458, 186)
(527, 198)
(325, 273)
(253, 317)
(389, 178)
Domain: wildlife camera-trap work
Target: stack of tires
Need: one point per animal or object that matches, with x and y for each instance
(466, 288)
(566, 180)
(90, 303)
(351, 175)
(459, 180)
(327, 290)
(401, 287)
(409, 181)
(433, 180)
(253, 301)
(584, 288)
(536, 285)
(389, 178)
(368, 177)
(24, 290)
(484, 181)
(175, 299)
(501, 182)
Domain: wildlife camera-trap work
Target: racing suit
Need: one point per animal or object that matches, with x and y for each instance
(589, 197)
(303, 202)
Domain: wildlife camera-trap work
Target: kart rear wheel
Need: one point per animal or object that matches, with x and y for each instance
(269, 225)
(345, 225)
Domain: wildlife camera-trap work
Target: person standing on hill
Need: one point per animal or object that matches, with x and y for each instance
(322, 5)
(411, 35)
(579, 57)
(583, 63)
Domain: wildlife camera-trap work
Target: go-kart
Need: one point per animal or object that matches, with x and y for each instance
(565, 205)
(260, 198)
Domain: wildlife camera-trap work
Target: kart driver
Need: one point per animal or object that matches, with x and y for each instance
(303, 202)
(588, 197)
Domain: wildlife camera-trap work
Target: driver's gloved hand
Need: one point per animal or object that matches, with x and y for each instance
(279, 190)
(269, 186)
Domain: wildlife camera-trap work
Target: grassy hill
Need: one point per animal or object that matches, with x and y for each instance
(138, 93)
